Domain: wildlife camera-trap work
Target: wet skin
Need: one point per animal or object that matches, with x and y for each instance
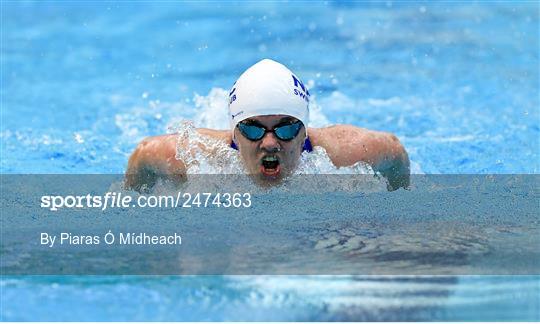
(270, 159)
(155, 157)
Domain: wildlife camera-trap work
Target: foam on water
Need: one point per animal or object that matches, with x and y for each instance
(453, 82)
(204, 155)
(211, 112)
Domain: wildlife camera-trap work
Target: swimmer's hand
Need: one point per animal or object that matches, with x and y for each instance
(347, 145)
(153, 159)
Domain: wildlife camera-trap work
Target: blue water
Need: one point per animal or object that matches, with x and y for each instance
(457, 83)
(83, 82)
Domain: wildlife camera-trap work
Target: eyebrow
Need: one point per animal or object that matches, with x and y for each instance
(286, 119)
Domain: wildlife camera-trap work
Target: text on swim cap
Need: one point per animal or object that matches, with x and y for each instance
(300, 90)
(237, 114)
(232, 96)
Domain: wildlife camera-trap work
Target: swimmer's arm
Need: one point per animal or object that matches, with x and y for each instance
(154, 158)
(347, 145)
(389, 158)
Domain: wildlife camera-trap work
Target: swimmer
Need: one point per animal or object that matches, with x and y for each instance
(268, 114)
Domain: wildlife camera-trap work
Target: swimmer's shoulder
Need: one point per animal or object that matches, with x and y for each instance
(348, 144)
(155, 157)
(221, 135)
(165, 146)
(152, 151)
(336, 135)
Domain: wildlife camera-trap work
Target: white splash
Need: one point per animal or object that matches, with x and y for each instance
(318, 162)
(210, 156)
(212, 110)
(205, 155)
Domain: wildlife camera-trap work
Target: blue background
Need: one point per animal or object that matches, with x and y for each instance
(83, 82)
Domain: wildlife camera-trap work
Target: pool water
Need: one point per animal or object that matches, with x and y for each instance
(84, 82)
(457, 83)
(275, 297)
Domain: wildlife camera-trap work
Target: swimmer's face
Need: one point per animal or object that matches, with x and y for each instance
(270, 158)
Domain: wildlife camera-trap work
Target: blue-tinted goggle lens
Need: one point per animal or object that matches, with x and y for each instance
(284, 132)
(288, 132)
(252, 132)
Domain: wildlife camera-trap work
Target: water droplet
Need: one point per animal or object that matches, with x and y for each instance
(78, 138)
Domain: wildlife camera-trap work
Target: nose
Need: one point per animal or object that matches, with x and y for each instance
(270, 143)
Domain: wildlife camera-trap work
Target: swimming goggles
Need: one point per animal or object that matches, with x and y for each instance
(285, 131)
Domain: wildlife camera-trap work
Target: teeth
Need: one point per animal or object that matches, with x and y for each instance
(270, 159)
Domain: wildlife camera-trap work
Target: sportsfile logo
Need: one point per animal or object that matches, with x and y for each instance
(300, 90)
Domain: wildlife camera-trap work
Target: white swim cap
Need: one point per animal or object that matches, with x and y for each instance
(268, 88)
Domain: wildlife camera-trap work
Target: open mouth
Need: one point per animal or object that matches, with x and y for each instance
(270, 166)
